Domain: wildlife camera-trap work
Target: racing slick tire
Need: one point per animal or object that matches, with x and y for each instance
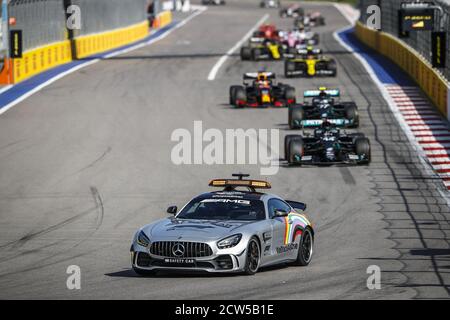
(289, 66)
(316, 39)
(144, 273)
(362, 146)
(240, 94)
(253, 257)
(289, 94)
(246, 53)
(305, 248)
(332, 66)
(233, 94)
(351, 113)
(296, 116)
(320, 21)
(255, 54)
(287, 141)
(296, 148)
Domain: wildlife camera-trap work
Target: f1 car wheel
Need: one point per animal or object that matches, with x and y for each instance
(296, 116)
(255, 54)
(316, 38)
(142, 272)
(351, 113)
(362, 146)
(287, 141)
(296, 149)
(289, 66)
(320, 21)
(332, 66)
(246, 53)
(290, 94)
(240, 95)
(233, 94)
(305, 249)
(253, 257)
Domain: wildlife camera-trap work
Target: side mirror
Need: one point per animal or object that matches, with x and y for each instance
(280, 214)
(172, 209)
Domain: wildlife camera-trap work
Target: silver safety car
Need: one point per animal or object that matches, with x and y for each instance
(236, 229)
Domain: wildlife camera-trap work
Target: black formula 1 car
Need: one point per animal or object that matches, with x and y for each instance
(327, 146)
(261, 90)
(292, 11)
(324, 104)
(310, 63)
(262, 49)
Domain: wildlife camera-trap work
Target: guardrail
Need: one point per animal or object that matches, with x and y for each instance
(430, 80)
(419, 41)
(105, 25)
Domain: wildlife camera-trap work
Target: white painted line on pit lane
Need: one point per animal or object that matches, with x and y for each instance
(88, 63)
(223, 59)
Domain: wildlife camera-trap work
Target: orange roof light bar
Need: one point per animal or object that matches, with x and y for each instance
(256, 184)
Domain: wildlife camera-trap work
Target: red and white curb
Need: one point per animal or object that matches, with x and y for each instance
(430, 129)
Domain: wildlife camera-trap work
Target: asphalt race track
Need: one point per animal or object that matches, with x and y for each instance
(86, 161)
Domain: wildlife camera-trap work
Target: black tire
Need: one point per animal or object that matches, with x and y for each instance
(332, 66)
(289, 94)
(289, 66)
(305, 248)
(287, 141)
(240, 94)
(362, 147)
(351, 113)
(255, 54)
(316, 38)
(246, 53)
(250, 267)
(296, 148)
(144, 273)
(296, 116)
(233, 94)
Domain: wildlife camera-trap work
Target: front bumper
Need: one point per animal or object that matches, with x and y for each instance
(304, 73)
(350, 160)
(220, 261)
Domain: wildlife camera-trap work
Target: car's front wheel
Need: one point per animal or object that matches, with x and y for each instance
(253, 257)
(305, 248)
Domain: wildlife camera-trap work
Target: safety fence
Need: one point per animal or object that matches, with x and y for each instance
(412, 54)
(48, 42)
(420, 41)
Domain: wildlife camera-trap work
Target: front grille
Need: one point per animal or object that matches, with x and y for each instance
(188, 249)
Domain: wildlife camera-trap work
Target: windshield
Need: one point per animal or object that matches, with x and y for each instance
(223, 209)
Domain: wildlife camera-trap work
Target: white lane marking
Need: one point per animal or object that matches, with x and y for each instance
(212, 74)
(6, 88)
(88, 63)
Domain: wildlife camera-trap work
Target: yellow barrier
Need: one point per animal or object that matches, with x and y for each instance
(162, 19)
(432, 83)
(41, 59)
(96, 43)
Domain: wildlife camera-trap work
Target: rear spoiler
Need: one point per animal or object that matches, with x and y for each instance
(254, 75)
(316, 93)
(297, 205)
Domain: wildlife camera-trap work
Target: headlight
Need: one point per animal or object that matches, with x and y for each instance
(229, 242)
(142, 239)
